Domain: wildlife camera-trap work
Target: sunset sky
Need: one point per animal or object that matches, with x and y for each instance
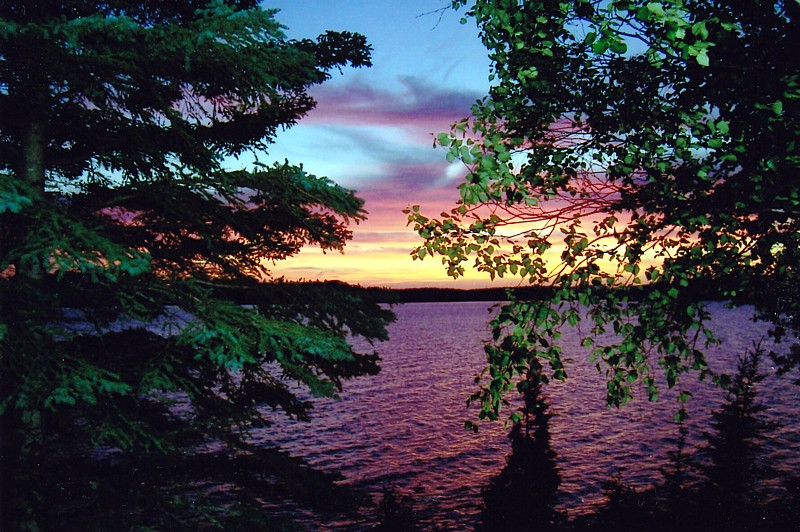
(373, 131)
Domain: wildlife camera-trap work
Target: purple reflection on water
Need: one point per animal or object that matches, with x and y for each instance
(404, 427)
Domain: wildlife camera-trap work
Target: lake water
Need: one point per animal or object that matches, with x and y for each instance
(404, 427)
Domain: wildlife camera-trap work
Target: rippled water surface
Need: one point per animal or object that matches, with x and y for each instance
(404, 427)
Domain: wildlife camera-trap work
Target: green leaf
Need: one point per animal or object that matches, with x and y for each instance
(699, 28)
(465, 154)
(618, 46)
(599, 47)
(656, 8)
(702, 58)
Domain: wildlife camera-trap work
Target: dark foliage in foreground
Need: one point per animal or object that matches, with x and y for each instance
(626, 142)
(731, 488)
(127, 243)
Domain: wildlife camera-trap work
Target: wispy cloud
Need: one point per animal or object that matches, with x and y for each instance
(412, 104)
(379, 141)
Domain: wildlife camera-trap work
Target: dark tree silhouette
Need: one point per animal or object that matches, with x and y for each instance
(523, 495)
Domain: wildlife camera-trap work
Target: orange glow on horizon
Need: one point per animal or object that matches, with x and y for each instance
(381, 257)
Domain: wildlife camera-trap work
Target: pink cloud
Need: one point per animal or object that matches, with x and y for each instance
(414, 105)
(390, 169)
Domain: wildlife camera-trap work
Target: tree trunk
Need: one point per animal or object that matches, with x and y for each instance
(33, 153)
(21, 430)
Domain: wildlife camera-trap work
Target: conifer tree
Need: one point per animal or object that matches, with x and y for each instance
(139, 310)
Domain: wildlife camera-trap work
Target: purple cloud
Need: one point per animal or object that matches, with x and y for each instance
(413, 104)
